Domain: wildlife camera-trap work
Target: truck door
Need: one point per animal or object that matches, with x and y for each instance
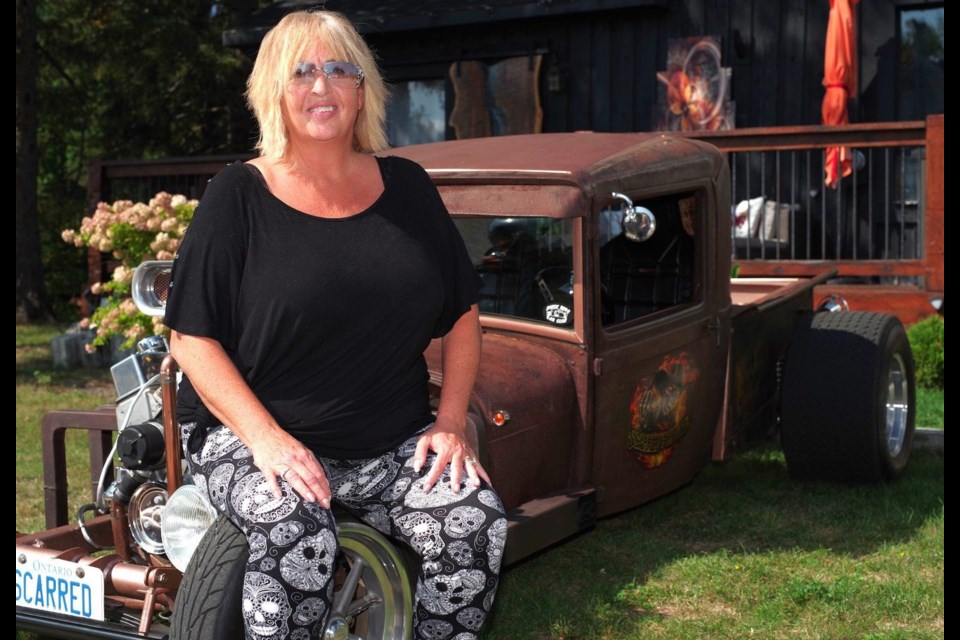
(661, 317)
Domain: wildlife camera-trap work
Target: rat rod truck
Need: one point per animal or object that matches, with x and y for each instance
(619, 358)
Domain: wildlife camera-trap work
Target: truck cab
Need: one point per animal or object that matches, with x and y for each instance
(603, 354)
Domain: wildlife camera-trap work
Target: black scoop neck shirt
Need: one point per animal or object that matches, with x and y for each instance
(325, 318)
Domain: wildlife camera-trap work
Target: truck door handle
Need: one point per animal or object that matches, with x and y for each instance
(713, 326)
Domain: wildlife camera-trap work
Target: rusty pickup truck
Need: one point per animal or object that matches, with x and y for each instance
(619, 358)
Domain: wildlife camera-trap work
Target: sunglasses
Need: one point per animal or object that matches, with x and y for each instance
(338, 72)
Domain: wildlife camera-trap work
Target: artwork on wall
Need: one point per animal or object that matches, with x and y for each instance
(693, 93)
(496, 99)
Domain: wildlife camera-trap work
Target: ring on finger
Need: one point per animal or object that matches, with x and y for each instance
(285, 472)
(470, 460)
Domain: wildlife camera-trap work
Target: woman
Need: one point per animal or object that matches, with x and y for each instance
(310, 282)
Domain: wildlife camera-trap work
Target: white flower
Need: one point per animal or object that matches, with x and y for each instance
(123, 275)
(128, 307)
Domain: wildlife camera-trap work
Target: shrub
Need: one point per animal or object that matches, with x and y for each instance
(131, 232)
(926, 339)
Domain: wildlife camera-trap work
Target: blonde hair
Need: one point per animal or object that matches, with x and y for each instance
(283, 47)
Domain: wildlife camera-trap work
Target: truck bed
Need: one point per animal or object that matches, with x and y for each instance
(748, 293)
(764, 316)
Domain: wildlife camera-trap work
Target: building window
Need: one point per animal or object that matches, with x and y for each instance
(921, 62)
(417, 112)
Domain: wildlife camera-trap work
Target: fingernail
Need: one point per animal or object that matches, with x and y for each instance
(326, 503)
(416, 467)
(309, 497)
(427, 487)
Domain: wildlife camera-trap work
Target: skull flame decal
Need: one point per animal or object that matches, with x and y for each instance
(659, 415)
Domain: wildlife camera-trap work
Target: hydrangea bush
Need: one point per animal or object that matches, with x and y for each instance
(131, 232)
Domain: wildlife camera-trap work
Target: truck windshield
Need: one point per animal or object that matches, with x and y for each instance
(525, 266)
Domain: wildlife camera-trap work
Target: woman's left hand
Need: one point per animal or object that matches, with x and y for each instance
(447, 440)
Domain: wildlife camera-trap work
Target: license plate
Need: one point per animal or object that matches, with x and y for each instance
(59, 586)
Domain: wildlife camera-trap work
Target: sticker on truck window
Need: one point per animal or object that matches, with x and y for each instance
(659, 411)
(557, 314)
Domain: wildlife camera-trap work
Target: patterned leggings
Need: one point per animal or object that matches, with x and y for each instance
(287, 588)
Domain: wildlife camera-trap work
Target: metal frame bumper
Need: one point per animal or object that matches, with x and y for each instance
(56, 626)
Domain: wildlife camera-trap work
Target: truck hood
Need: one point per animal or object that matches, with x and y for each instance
(533, 384)
(529, 380)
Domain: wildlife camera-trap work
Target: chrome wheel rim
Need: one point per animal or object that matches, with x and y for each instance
(374, 601)
(897, 405)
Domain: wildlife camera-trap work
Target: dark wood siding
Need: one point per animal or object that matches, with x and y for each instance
(608, 59)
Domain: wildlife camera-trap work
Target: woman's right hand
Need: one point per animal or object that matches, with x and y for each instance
(279, 455)
(227, 395)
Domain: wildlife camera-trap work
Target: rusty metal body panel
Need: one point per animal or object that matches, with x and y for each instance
(573, 176)
(765, 313)
(659, 388)
(531, 454)
(557, 174)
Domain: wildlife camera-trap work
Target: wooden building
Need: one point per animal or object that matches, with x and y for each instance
(599, 58)
(466, 68)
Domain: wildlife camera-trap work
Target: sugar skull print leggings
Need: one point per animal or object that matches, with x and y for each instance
(288, 586)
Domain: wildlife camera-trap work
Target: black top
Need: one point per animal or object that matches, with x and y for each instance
(326, 319)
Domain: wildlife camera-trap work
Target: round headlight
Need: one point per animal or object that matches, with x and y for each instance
(186, 518)
(150, 286)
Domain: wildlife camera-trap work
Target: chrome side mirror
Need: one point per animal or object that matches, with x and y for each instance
(639, 223)
(150, 286)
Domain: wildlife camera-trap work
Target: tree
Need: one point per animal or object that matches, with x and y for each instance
(121, 79)
(30, 295)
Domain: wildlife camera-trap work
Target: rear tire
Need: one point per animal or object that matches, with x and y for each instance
(849, 400)
(379, 606)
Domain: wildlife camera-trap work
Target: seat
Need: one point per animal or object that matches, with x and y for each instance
(640, 278)
(507, 272)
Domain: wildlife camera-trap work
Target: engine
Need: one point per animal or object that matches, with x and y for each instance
(140, 480)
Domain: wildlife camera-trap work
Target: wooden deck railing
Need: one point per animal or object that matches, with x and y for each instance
(881, 228)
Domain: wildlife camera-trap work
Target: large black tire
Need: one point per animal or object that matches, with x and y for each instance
(849, 398)
(379, 605)
(209, 600)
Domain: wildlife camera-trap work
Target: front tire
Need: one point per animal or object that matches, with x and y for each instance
(849, 398)
(210, 599)
(373, 598)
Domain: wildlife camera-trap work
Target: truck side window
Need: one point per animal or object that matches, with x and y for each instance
(525, 266)
(640, 278)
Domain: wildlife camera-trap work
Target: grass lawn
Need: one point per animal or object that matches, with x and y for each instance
(745, 553)
(41, 388)
(930, 408)
(741, 553)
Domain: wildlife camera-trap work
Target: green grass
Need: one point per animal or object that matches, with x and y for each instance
(741, 553)
(744, 552)
(930, 408)
(41, 388)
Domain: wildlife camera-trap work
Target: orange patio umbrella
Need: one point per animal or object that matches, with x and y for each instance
(839, 81)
